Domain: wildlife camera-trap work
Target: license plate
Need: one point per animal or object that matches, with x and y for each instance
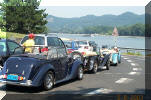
(12, 77)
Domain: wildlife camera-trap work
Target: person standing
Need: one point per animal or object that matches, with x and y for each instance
(30, 43)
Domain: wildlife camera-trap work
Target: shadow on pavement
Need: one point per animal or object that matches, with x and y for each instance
(22, 89)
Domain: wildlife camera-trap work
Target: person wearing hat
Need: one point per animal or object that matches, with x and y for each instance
(115, 49)
(29, 44)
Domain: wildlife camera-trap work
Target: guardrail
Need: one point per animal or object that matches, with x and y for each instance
(134, 51)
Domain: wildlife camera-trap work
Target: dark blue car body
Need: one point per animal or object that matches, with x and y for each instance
(33, 67)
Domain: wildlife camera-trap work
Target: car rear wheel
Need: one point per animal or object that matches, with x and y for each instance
(119, 61)
(107, 65)
(95, 68)
(80, 72)
(48, 80)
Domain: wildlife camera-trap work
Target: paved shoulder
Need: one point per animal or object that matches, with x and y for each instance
(2, 91)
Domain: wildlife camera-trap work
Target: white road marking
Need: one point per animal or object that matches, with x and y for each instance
(129, 60)
(132, 73)
(104, 67)
(135, 69)
(125, 58)
(100, 91)
(2, 93)
(133, 64)
(123, 80)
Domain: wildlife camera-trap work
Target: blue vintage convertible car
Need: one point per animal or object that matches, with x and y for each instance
(44, 69)
(116, 58)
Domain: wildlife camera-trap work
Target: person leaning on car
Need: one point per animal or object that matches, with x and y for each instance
(28, 44)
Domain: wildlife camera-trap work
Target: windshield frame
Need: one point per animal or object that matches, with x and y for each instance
(4, 53)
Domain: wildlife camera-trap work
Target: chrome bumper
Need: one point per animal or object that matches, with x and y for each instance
(15, 83)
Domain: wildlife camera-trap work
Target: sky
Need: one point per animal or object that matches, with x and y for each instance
(78, 8)
(78, 11)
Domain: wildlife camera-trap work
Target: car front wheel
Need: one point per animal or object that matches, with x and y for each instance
(107, 65)
(48, 80)
(95, 68)
(80, 72)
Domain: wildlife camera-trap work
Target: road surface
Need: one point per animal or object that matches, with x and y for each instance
(126, 78)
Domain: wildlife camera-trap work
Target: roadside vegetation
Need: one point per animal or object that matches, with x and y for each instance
(22, 16)
(132, 53)
(14, 35)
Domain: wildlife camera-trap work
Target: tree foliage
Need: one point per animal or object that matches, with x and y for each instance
(23, 16)
(132, 30)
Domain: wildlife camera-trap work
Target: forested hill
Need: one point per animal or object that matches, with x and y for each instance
(77, 25)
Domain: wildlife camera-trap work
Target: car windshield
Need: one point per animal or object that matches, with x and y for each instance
(82, 42)
(38, 52)
(39, 40)
(2, 48)
(68, 44)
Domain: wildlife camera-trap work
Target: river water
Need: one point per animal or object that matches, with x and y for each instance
(121, 41)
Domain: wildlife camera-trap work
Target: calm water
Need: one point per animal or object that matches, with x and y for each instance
(127, 42)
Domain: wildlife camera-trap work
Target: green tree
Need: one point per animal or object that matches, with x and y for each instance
(23, 16)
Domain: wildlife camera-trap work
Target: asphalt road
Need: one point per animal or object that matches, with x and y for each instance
(126, 78)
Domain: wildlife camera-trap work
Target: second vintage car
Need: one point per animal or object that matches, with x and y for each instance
(44, 69)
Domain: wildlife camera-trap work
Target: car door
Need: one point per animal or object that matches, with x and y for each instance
(63, 58)
(53, 57)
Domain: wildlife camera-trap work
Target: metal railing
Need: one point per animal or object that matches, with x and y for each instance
(134, 51)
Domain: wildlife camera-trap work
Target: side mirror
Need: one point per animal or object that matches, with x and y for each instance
(19, 50)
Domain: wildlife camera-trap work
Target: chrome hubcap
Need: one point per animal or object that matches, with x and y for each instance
(80, 72)
(95, 67)
(49, 81)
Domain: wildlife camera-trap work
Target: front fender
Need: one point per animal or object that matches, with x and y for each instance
(115, 58)
(38, 79)
(74, 69)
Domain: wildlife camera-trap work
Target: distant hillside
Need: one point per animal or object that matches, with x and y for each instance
(73, 25)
